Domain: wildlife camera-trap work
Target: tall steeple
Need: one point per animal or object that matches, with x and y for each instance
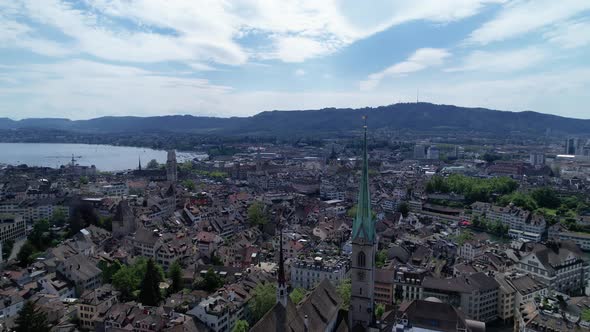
(281, 281)
(139, 168)
(364, 247)
(363, 226)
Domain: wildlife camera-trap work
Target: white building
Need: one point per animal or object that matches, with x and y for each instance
(307, 273)
(558, 232)
(521, 223)
(115, 189)
(559, 265)
(218, 313)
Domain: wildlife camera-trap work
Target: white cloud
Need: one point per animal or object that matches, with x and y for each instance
(520, 17)
(204, 31)
(420, 60)
(570, 34)
(502, 61)
(200, 66)
(85, 89)
(299, 72)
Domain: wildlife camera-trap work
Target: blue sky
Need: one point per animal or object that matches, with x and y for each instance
(89, 58)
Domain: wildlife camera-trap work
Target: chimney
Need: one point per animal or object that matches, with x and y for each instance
(306, 323)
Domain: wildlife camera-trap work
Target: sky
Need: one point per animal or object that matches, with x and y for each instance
(89, 58)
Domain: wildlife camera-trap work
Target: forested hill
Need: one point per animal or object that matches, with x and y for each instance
(407, 116)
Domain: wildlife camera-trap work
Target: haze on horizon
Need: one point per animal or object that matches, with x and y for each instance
(90, 58)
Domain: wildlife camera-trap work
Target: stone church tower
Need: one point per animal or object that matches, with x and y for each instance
(364, 244)
(171, 172)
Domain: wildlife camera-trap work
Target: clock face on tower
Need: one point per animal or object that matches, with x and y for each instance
(361, 275)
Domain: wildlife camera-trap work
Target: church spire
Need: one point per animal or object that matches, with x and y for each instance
(281, 276)
(363, 222)
(281, 281)
(139, 157)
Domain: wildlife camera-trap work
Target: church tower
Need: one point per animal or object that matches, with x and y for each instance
(281, 281)
(361, 311)
(171, 175)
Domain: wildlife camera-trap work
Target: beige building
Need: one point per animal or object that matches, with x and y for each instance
(93, 304)
(12, 228)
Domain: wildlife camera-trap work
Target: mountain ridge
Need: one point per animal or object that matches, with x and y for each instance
(407, 116)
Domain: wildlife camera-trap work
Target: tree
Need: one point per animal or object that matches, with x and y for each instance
(39, 236)
(344, 289)
(83, 180)
(241, 326)
(175, 275)
(25, 254)
(403, 208)
(126, 281)
(256, 214)
(106, 223)
(263, 298)
(31, 319)
(189, 184)
(129, 277)
(7, 248)
(297, 295)
(546, 197)
(379, 311)
(351, 213)
(153, 164)
(519, 199)
(380, 258)
(210, 282)
(149, 292)
(108, 270)
(58, 218)
(491, 157)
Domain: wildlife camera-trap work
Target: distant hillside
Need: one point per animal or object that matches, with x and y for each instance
(410, 116)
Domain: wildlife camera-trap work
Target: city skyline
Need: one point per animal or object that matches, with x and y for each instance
(85, 59)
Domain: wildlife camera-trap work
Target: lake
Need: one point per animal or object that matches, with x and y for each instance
(104, 157)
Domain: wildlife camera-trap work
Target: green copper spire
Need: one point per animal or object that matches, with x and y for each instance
(363, 226)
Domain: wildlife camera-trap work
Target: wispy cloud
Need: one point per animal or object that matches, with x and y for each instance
(518, 18)
(571, 34)
(502, 61)
(421, 59)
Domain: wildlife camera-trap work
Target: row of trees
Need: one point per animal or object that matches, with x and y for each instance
(141, 280)
(545, 198)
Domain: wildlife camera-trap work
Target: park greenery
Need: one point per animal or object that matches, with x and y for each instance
(474, 189)
(41, 237)
(131, 279)
(494, 227)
